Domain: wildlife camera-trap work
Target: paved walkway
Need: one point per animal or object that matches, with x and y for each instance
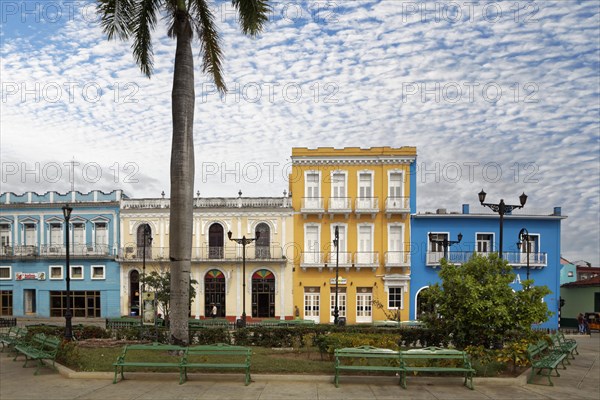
(581, 380)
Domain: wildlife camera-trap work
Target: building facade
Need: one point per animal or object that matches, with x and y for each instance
(368, 196)
(479, 232)
(217, 262)
(33, 254)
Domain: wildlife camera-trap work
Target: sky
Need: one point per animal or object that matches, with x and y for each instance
(497, 95)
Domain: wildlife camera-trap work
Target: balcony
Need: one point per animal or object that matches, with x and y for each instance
(366, 259)
(312, 259)
(58, 251)
(339, 205)
(397, 205)
(516, 259)
(345, 260)
(395, 259)
(367, 205)
(216, 254)
(312, 205)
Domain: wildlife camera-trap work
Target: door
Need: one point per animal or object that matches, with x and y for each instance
(436, 247)
(312, 253)
(262, 249)
(365, 245)
(312, 200)
(395, 190)
(311, 304)
(338, 192)
(531, 247)
(214, 292)
(78, 242)
(134, 293)
(56, 238)
(341, 244)
(263, 294)
(365, 192)
(215, 241)
(484, 243)
(5, 239)
(395, 255)
(364, 298)
(29, 297)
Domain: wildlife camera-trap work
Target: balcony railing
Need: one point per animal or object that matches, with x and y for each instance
(397, 259)
(58, 251)
(216, 202)
(339, 205)
(367, 205)
(518, 259)
(397, 204)
(345, 258)
(228, 253)
(312, 205)
(311, 259)
(366, 259)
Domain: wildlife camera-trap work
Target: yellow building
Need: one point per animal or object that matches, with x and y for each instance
(368, 195)
(217, 262)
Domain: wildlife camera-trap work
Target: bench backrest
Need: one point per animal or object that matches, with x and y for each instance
(435, 353)
(218, 349)
(366, 352)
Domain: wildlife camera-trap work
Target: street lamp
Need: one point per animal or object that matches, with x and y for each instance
(243, 241)
(68, 314)
(524, 239)
(336, 243)
(445, 243)
(147, 241)
(502, 208)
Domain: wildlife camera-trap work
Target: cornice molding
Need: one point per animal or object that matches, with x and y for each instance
(351, 160)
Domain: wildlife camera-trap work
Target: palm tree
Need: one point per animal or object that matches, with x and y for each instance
(136, 19)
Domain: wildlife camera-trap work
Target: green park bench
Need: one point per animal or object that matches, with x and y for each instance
(365, 358)
(544, 360)
(217, 356)
(138, 355)
(568, 346)
(38, 347)
(436, 360)
(11, 337)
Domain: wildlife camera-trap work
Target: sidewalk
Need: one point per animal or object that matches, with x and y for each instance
(581, 380)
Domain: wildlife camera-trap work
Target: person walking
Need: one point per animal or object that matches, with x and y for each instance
(213, 311)
(581, 323)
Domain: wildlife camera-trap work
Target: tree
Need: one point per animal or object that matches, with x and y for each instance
(160, 284)
(475, 304)
(136, 19)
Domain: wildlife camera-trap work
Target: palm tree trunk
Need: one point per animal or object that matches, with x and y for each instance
(182, 180)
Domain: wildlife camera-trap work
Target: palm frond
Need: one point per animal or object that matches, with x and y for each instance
(206, 30)
(143, 25)
(253, 15)
(116, 17)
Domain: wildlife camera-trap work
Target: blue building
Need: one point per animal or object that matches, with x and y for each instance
(479, 232)
(33, 254)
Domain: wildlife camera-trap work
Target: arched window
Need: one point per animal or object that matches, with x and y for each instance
(215, 241)
(263, 243)
(144, 232)
(214, 292)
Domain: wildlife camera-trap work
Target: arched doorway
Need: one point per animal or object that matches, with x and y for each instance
(214, 292)
(422, 303)
(140, 241)
(263, 243)
(263, 294)
(215, 241)
(134, 293)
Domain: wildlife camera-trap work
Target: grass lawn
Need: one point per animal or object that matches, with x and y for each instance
(264, 360)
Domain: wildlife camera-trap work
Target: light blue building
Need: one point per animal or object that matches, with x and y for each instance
(480, 233)
(33, 254)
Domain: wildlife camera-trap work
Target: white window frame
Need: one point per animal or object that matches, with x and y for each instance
(10, 235)
(62, 272)
(52, 226)
(318, 250)
(93, 277)
(82, 272)
(371, 173)
(345, 241)
(493, 243)
(430, 244)
(9, 267)
(389, 235)
(402, 182)
(24, 235)
(319, 189)
(72, 233)
(402, 291)
(345, 184)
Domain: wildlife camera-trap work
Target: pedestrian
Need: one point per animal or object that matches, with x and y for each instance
(213, 311)
(581, 323)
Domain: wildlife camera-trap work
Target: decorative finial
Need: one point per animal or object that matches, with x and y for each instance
(163, 194)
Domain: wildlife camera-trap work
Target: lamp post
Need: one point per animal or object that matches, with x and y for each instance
(445, 242)
(68, 314)
(502, 208)
(524, 239)
(336, 243)
(147, 241)
(243, 241)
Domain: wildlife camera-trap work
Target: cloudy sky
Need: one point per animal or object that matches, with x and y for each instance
(496, 95)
